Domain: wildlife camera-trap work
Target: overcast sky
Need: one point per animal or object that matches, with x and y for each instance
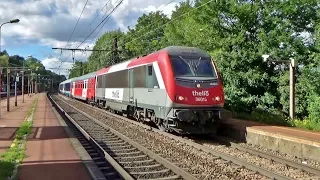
(49, 23)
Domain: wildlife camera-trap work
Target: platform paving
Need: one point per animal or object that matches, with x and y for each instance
(298, 142)
(12, 120)
(49, 152)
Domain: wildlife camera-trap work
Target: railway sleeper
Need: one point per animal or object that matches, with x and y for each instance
(166, 178)
(151, 172)
(144, 166)
(122, 150)
(116, 143)
(117, 146)
(154, 174)
(106, 168)
(111, 138)
(131, 157)
(95, 154)
(141, 162)
(127, 153)
(107, 137)
(98, 159)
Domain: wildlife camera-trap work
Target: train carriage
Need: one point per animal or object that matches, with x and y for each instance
(64, 87)
(83, 87)
(177, 88)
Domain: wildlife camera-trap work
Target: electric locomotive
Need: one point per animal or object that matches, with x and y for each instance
(176, 88)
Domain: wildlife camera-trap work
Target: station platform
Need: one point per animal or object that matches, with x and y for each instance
(49, 151)
(12, 120)
(298, 142)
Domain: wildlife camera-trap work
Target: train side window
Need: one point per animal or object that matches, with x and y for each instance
(150, 70)
(151, 79)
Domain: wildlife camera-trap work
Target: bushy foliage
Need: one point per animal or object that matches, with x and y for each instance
(237, 34)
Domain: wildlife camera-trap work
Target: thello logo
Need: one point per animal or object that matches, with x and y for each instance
(200, 93)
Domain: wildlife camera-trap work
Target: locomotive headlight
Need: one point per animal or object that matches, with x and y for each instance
(181, 98)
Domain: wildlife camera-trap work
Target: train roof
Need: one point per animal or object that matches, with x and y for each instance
(66, 81)
(170, 50)
(182, 50)
(83, 77)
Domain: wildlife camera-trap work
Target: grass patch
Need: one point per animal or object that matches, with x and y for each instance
(16, 153)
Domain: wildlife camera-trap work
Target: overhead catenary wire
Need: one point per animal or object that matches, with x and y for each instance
(77, 22)
(74, 29)
(171, 20)
(151, 24)
(104, 20)
(95, 17)
(100, 23)
(109, 16)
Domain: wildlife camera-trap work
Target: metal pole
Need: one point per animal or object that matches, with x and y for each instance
(22, 83)
(28, 85)
(15, 92)
(0, 86)
(0, 37)
(292, 88)
(36, 86)
(8, 89)
(0, 34)
(15, 89)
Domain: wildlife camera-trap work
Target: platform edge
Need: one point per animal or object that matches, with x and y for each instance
(91, 167)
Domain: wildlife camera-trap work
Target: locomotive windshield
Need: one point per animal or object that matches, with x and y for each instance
(192, 66)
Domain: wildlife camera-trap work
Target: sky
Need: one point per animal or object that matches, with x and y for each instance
(45, 24)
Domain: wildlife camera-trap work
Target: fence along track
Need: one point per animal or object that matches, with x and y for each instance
(137, 160)
(224, 156)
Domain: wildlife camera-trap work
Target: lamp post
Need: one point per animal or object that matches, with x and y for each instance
(292, 64)
(12, 21)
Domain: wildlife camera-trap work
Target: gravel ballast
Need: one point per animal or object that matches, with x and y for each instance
(203, 165)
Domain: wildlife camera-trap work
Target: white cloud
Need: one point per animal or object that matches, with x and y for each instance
(50, 22)
(57, 66)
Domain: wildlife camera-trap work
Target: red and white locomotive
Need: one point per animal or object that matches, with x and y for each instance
(177, 88)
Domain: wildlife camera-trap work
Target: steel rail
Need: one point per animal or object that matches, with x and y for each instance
(114, 163)
(272, 157)
(151, 154)
(154, 156)
(224, 156)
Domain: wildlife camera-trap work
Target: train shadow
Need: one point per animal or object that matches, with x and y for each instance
(53, 169)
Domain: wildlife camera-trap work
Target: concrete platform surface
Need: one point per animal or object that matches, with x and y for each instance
(294, 141)
(49, 153)
(12, 120)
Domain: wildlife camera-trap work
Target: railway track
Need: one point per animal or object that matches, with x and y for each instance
(288, 169)
(129, 159)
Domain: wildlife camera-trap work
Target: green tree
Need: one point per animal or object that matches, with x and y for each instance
(147, 35)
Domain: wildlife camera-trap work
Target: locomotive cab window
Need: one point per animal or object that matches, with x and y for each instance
(192, 66)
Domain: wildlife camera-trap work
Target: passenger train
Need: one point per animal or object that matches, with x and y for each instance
(177, 88)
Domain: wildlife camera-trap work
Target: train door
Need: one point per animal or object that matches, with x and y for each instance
(73, 87)
(85, 88)
(131, 86)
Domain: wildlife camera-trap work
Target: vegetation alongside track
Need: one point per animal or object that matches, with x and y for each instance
(16, 153)
(237, 33)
